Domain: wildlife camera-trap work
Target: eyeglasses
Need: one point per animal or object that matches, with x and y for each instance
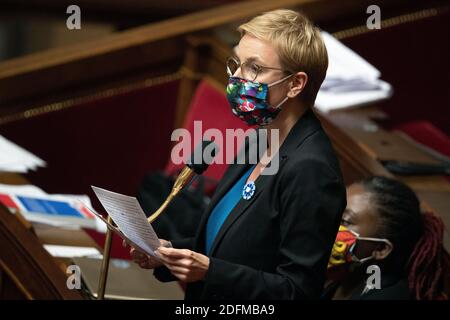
(249, 69)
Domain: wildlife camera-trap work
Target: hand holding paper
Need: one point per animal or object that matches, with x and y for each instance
(131, 221)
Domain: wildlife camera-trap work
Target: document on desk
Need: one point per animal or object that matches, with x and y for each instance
(350, 81)
(130, 219)
(14, 158)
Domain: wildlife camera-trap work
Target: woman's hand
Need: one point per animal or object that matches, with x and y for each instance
(186, 265)
(144, 260)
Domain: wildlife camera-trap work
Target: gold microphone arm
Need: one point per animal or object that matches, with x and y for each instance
(105, 264)
(183, 178)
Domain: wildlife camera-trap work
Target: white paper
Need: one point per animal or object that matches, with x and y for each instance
(71, 251)
(328, 101)
(23, 190)
(350, 81)
(36, 219)
(343, 62)
(14, 158)
(127, 214)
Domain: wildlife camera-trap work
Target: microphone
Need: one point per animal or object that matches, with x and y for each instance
(196, 165)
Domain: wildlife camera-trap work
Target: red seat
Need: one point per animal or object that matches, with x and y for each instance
(427, 134)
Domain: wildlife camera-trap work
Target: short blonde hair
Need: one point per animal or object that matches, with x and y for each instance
(298, 43)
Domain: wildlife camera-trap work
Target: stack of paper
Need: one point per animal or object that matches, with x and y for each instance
(351, 81)
(16, 159)
(132, 224)
(72, 251)
(68, 211)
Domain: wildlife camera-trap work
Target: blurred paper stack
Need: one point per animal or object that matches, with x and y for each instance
(13, 158)
(37, 206)
(351, 81)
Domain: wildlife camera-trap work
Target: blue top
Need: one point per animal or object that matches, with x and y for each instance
(223, 209)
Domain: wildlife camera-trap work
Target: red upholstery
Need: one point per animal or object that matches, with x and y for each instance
(110, 142)
(427, 134)
(210, 106)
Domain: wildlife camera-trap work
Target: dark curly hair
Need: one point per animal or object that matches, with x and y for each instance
(417, 237)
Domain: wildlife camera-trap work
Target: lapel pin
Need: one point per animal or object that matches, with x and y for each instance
(249, 190)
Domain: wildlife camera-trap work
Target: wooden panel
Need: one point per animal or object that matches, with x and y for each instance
(8, 290)
(386, 145)
(137, 7)
(129, 51)
(85, 72)
(27, 264)
(356, 162)
(28, 81)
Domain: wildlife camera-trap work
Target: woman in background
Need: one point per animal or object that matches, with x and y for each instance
(384, 226)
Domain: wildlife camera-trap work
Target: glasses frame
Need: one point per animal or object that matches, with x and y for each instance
(259, 68)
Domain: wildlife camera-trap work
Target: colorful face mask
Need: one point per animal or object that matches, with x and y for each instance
(248, 100)
(342, 253)
(344, 243)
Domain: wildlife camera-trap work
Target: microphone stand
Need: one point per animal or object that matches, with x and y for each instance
(105, 263)
(183, 179)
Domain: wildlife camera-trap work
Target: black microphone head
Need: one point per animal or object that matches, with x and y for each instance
(203, 155)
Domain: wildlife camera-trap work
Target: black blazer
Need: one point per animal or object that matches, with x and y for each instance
(393, 287)
(277, 244)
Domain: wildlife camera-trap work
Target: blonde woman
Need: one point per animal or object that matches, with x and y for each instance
(268, 236)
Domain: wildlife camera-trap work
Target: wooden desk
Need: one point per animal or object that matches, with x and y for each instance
(27, 270)
(48, 234)
(360, 124)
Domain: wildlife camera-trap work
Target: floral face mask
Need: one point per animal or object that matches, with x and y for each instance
(248, 100)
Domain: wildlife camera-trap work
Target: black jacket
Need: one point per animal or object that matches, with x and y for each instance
(393, 287)
(277, 244)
